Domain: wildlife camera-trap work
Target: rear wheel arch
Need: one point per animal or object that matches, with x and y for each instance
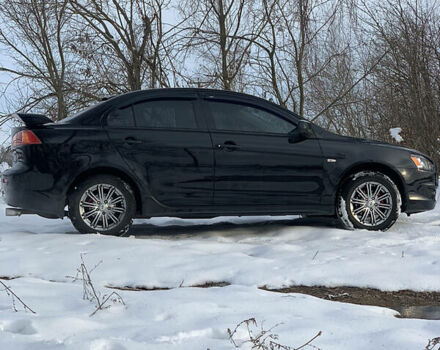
(374, 167)
(108, 171)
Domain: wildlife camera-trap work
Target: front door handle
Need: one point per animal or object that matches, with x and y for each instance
(132, 141)
(230, 146)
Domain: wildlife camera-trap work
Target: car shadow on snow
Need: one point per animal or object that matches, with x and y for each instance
(192, 228)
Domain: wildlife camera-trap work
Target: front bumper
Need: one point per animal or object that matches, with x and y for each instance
(32, 191)
(420, 190)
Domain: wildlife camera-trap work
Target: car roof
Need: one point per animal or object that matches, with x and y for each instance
(164, 92)
(168, 91)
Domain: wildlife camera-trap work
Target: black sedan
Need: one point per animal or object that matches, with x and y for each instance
(196, 153)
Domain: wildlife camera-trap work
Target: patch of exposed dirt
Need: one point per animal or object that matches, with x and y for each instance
(8, 278)
(210, 284)
(366, 296)
(137, 288)
(409, 303)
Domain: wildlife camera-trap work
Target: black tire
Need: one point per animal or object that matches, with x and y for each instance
(379, 211)
(121, 220)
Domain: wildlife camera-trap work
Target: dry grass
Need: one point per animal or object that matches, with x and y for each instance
(261, 339)
(90, 293)
(433, 343)
(14, 298)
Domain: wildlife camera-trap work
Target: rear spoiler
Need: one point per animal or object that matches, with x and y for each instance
(31, 120)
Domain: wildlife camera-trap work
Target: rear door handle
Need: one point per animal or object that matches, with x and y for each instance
(227, 146)
(132, 141)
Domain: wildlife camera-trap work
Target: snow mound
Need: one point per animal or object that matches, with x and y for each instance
(183, 336)
(21, 326)
(395, 134)
(105, 344)
(42, 254)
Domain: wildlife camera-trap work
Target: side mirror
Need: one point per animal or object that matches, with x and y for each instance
(302, 132)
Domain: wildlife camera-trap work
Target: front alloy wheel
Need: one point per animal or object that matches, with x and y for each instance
(371, 204)
(369, 200)
(103, 204)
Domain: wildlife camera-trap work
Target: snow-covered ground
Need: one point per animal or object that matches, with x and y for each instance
(245, 252)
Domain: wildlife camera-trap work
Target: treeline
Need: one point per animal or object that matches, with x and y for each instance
(357, 67)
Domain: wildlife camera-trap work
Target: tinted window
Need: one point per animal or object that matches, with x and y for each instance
(237, 117)
(165, 114)
(122, 117)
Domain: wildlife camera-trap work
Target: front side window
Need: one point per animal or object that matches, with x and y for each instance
(177, 114)
(238, 117)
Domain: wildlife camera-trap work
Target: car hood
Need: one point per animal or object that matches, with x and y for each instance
(336, 137)
(387, 145)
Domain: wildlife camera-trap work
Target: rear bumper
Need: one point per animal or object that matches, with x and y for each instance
(420, 188)
(33, 191)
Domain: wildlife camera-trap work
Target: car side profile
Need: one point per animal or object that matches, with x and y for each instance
(198, 153)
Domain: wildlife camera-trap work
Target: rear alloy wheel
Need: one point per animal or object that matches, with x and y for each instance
(369, 201)
(104, 204)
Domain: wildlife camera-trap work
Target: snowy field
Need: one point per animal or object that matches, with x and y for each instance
(245, 252)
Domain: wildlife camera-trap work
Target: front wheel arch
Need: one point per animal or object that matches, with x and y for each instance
(382, 192)
(373, 167)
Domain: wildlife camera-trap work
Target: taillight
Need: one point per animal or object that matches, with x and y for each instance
(25, 137)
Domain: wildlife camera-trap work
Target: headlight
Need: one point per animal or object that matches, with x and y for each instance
(422, 163)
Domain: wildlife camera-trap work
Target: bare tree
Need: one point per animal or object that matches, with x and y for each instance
(354, 66)
(406, 84)
(284, 48)
(340, 97)
(33, 33)
(219, 34)
(123, 44)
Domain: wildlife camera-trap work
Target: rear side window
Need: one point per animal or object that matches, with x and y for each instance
(239, 117)
(171, 114)
(122, 117)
